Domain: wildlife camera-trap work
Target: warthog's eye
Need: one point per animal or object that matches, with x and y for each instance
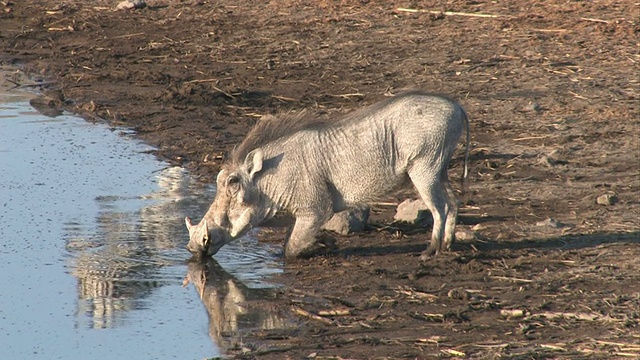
(233, 183)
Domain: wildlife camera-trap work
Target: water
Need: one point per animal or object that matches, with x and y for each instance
(92, 259)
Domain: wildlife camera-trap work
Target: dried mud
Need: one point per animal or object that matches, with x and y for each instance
(543, 271)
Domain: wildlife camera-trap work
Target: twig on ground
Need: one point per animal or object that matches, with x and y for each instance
(551, 30)
(530, 138)
(553, 347)
(340, 301)
(222, 91)
(512, 313)
(570, 316)
(346, 96)
(128, 35)
(283, 98)
(335, 312)
(578, 95)
(512, 279)
(312, 316)
(200, 81)
(452, 13)
(435, 339)
(416, 294)
(429, 317)
(17, 84)
(594, 20)
(453, 352)
(68, 28)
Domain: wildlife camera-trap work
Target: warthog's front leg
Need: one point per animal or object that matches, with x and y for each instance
(303, 241)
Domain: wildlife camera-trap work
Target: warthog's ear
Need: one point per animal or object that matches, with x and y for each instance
(189, 223)
(253, 162)
(219, 176)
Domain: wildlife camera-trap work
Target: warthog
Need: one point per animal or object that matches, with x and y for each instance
(313, 167)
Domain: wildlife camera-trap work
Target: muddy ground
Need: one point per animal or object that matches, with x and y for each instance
(544, 270)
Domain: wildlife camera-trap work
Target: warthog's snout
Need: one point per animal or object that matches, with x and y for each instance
(198, 237)
(203, 240)
(196, 249)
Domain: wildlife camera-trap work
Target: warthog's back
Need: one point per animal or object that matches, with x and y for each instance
(367, 153)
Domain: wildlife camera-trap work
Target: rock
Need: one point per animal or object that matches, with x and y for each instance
(607, 199)
(550, 222)
(533, 107)
(348, 221)
(458, 294)
(47, 106)
(550, 160)
(412, 211)
(131, 4)
(465, 235)
(547, 161)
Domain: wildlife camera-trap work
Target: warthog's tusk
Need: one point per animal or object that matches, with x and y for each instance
(241, 224)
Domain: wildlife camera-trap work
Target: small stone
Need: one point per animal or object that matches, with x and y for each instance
(271, 64)
(131, 4)
(533, 107)
(412, 211)
(549, 222)
(458, 294)
(607, 199)
(547, 161)
(139, 4)
(348, 221)
(125, 5)
(465, 235)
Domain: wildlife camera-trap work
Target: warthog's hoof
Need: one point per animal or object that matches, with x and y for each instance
(425, 256)
(430, 252)
(321, 246)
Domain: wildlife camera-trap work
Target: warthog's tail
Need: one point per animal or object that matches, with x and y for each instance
(464, 183)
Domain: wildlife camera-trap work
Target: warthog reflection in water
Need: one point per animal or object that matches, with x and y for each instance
(234, 309)
(118, 261)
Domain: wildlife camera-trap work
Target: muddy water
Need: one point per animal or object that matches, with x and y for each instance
(92, 259)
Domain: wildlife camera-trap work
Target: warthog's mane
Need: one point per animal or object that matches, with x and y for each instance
(271, 128)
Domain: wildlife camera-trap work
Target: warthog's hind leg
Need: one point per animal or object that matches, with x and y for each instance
(451, 211)
(434, 195)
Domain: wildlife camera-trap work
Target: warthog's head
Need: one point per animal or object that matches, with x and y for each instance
(233, 210)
